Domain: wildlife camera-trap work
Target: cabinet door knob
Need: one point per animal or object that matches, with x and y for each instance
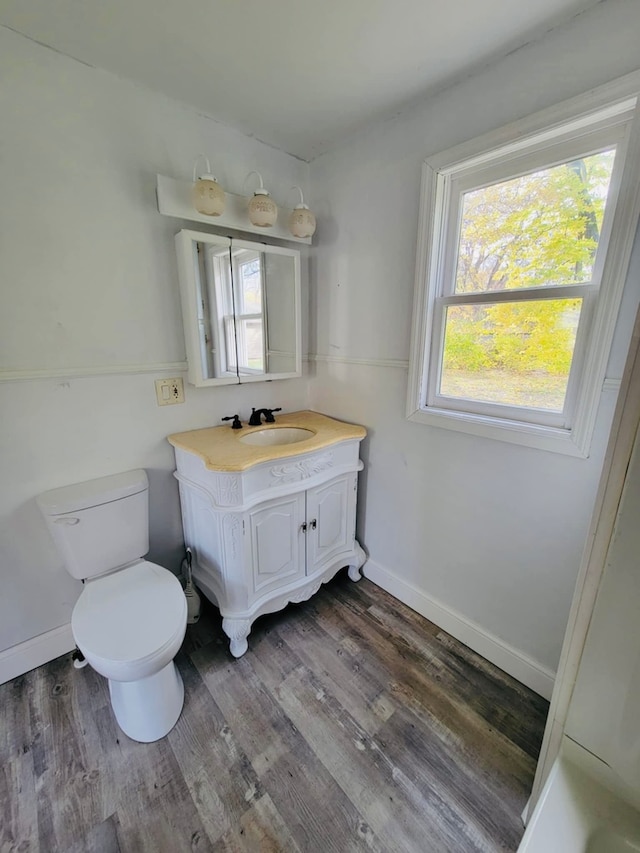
(303, 527)
(313, 523)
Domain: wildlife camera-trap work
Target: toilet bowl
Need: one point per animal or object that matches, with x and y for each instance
(129, 626)
(130, 619)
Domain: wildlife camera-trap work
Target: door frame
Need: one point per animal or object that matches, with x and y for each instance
(626, 421)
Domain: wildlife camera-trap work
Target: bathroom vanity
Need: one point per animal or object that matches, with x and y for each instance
(269, 512)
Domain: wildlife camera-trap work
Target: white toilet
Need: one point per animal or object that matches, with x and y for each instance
(131, 617)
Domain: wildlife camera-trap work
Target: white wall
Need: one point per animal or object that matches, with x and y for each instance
(89, 283)
(491, 531)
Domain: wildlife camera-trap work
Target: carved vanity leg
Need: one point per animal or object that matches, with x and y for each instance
(354, 573)
(237, 630)
(358, 562)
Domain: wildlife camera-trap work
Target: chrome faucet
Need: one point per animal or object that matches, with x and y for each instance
(256, 416)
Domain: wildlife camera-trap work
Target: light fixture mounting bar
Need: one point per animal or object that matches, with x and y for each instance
(174, 199)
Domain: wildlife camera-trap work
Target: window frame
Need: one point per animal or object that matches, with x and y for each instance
(587, 124)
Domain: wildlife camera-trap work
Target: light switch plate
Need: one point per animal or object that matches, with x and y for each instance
(169, 391)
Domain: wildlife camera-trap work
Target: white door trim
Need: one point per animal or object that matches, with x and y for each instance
(621, 441)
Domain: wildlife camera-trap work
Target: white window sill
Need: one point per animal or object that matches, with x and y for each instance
(515, 432)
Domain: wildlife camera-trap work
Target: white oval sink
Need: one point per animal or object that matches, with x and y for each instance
(276, 435)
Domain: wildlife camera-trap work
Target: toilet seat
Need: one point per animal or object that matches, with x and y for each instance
(130, 616)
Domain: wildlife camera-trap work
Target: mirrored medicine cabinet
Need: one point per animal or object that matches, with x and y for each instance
(241, 309)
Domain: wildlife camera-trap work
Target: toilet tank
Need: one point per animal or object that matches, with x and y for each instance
(101, 524)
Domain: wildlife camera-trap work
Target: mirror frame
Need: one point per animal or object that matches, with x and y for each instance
(188, 269)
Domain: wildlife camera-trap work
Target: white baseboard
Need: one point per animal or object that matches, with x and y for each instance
(34, 652)
(521, 667)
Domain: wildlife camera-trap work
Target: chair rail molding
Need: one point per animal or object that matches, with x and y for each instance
(401, 363)
(24, 374)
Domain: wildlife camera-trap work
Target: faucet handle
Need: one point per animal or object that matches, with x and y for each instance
(236, 421)
(268, 415)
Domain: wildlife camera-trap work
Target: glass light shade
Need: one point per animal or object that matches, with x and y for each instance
(207, 196)
(302, 222)
(263, 211)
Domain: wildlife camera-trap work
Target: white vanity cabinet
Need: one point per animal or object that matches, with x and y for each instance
(270, 534)
(298, 536)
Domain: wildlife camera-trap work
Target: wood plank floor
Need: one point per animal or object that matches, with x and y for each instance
(351, 724)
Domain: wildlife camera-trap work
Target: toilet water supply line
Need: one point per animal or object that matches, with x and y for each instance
(79, 660)
(190, 592)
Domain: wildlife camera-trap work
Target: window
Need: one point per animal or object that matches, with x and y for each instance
(519, 277)
(238, 276)
(249, 313)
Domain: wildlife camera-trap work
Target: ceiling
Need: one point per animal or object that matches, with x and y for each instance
(297, 74)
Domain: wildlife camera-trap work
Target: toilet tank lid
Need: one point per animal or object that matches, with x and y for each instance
(93, 492)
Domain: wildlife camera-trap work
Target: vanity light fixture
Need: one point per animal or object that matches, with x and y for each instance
(302, 222)
(263, 211)
(207, 196)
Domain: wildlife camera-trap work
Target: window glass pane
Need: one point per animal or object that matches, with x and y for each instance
(536, 230)
(250, 287)
(513, 353)
(250, 344)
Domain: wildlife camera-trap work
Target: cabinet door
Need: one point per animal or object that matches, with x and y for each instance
(331, 515)
(277, 543)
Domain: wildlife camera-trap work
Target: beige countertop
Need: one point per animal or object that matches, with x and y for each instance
(221, 449)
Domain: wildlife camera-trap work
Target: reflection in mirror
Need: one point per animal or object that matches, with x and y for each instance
(280, 273)
(247, 275)
(241, 303)
(214, 311)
